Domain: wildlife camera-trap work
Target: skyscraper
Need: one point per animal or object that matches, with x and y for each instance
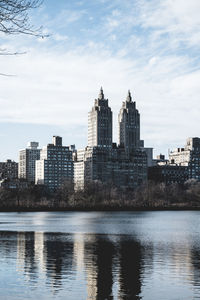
(100, 123)
(129, 125)
(103, 160)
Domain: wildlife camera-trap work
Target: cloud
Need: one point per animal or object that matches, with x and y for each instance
(60, 89)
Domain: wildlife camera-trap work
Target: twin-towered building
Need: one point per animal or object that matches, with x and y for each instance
(124, 165)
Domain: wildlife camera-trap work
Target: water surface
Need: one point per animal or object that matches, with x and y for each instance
(100, 255)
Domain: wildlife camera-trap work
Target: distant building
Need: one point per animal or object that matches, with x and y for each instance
(100, 123)
(27, 159)
(8, 169)
(129, 129)
(129, 125)
(114, 167)
(124, 166)
(55, 165)
(14, 183)
(168, 174)
(188, 156)
(160, 160)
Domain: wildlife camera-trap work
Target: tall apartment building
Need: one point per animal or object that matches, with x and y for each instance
(129, 129)
(129, 125)
(100, 123)
(27, 159)
(188, 156)
(8, 169)
(102, 160)
(55, 165)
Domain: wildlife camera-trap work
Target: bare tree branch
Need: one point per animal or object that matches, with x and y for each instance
(14, 17)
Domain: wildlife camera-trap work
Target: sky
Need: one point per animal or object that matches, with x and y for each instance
(151, 47)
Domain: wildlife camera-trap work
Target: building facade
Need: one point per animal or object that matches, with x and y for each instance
(129, 125)
(27, 159)
(100, 123)
(55, 165)
(8, 169)
(188, 156)
(123, 165)
(168, 174)
(113, 167)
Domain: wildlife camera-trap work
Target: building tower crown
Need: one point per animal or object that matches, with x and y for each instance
(101, 94)
(129, 97)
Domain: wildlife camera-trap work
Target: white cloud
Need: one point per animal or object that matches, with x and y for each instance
(59, 90)
(178, 18)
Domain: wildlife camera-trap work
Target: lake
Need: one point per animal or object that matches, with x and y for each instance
(100, 255)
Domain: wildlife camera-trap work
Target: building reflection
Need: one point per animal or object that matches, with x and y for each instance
(21, 245)
(39, 253)
(78, 251)
(195, 261)
(59, 257)
(99, 253)
(30, 254)
(111, 266)
(26, 254)
(130, 257)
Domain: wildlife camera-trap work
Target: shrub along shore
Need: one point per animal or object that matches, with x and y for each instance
(98, 196)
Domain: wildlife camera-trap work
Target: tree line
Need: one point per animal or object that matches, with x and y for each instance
(101, 196)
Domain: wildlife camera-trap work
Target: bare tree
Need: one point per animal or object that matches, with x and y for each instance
(14, 17)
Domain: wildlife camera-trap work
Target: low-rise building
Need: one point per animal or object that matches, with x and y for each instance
(168, 174)
(8, 169)
(14, 184)
(160, 160)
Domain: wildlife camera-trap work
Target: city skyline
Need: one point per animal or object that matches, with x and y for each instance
(115, 132)
(117, 45)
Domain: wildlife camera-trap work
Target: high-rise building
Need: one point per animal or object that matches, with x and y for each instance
(100, 123)
(55, 165)
(129, 125)
(27, 159)
(124, 166)
(8, 169)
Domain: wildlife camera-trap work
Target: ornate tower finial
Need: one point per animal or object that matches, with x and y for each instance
(129, 97)
(101, 94)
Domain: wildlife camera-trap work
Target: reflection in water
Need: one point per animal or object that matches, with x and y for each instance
(130, 270)
(100, 266)
(98, 259)
(59, 255)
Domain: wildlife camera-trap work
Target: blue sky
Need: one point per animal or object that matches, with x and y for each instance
(150, 47)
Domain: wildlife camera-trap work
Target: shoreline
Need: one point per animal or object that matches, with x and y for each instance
(112, 209)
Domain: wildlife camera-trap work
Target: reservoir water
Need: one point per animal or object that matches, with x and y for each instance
(100, 255)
